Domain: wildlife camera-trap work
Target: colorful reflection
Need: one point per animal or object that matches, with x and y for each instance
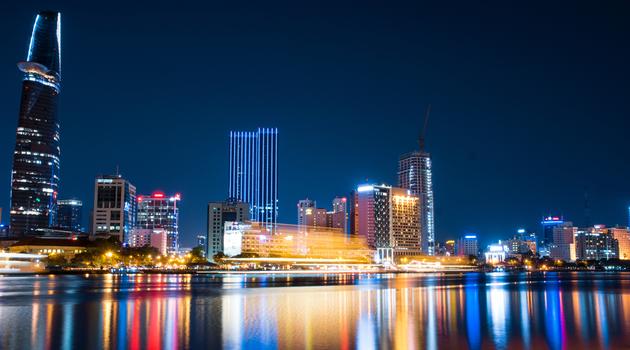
(476, 311)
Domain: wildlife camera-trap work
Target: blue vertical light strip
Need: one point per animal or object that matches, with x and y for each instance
(32, 42)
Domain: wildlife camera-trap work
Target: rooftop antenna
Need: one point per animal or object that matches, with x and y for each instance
(117, 170)
(424, 128)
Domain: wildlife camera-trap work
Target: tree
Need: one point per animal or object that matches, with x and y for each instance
(219, 257)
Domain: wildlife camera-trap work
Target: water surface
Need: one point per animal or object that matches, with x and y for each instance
(399, 311)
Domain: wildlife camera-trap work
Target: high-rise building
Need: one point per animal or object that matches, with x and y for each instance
(388, 217)
(70, 214)
(305, 208)
(595, 243)
(548, 224)
(202, 243)
(622, 235)
(115, 207)
(35, 173)
(468, 245)
(563, 246)
(219, 213)
(416, 175)
(159, 211)
(310, 215)
(338, 217)
(254, 173)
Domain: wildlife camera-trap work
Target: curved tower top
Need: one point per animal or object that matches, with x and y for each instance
(45, 44)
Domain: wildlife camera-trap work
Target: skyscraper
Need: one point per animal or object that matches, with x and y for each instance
(254, 173)
(161, 212)
(70, 214)
(305, 208)
(220, 213)
(416, 175)
(389, 218)
(35, 173)
(115, 207)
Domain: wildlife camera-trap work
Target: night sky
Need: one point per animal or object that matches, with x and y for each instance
(530, 102)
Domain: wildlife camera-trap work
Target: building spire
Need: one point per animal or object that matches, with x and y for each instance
(424, 128)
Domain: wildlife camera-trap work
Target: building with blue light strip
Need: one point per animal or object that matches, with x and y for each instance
(35, 172)
(254, 173)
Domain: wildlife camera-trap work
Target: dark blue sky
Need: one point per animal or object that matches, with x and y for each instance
(530, 101)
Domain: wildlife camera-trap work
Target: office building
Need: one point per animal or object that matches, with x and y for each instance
(595, 243)
(159, 211)
(546, 239)
(467, 245)
(388, 218)
(305, 208)
(70, 215)
(148, 237)
(115, 207)
(563, 247)
(202, 243)
(310, 215)
(622, 235)
(36, 169)
(254, 173)
(219, 213)
(416, 175)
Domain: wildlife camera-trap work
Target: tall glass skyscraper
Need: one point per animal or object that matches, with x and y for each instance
(159, 211)
(415, 174)
(35, 173)
(254, 173)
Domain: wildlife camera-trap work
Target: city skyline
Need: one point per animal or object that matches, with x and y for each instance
(514, 196)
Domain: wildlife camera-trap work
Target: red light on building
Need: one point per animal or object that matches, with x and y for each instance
(178, 196)
(343, 199)
(140, 199)
(157, 195)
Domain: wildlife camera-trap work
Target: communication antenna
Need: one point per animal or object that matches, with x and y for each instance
(424, 128)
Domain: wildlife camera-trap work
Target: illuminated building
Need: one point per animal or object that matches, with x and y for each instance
(305, 208)
(546, 239)
(291, 241)
(415, 174)
(254, 172)
(70, 214)
(389, 219)
(35, 173)
(233, 237)
(148, 237)
(310, 215)
(219, 213)
(202, 243)
(449, 247)
(563, 247)
(115, 207)
(595, 243)
(622, 235)
(159, 211)
(496, 253)
(467, 246)
(67, 248)
(338, 217)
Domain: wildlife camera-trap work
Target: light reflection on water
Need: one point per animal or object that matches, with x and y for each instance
(531, 311)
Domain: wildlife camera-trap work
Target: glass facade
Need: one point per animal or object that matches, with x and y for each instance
(254, 173)
(36, 165)
(158, 211)
(70, 214)
(416, 175)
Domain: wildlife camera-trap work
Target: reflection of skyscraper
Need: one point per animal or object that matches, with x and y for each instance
(35, 175)
(159, 211)
(415, 174)
(254, 172)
